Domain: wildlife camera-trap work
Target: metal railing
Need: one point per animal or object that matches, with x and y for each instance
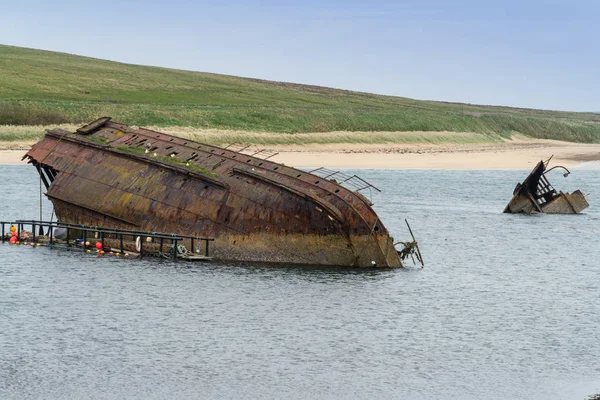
(100, 234)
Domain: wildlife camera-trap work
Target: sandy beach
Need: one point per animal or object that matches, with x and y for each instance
(508, 155)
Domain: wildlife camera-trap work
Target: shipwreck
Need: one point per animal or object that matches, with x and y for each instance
(113, 175)
(536, 195)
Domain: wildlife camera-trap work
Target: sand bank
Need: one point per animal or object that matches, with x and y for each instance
(12, 156)
(509, 155)
(497, 156)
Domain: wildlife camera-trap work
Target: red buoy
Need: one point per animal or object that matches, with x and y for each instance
(99, 245)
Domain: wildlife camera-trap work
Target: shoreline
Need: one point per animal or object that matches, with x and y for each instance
(506, 155)
(447, 156)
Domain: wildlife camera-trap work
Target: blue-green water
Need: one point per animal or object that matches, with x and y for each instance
(507, 307)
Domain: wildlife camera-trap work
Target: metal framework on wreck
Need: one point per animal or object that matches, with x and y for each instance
(537, 195)
(110, 174)
(158, 244)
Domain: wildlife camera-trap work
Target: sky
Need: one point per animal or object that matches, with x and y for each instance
(527, 53)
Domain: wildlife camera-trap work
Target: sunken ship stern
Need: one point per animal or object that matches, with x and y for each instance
(111, 175)
(537, 195)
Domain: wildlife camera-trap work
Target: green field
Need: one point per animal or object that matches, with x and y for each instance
(47, 88)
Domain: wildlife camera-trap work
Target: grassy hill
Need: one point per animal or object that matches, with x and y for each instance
(45, 88)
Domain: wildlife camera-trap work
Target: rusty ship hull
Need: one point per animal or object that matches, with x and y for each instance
(110, 174)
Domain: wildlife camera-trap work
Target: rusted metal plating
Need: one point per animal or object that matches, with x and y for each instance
(536, 195)
(114, 175)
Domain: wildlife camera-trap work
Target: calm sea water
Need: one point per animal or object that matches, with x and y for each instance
(507, 306)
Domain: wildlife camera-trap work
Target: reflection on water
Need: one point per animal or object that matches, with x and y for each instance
(508, 306)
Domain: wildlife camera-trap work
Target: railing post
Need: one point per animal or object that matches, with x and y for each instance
(206, 249)
(84, 239)
(173, 247)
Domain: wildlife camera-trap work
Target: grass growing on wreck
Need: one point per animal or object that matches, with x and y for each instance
(134, 150)
(96, 139)
(168, 160)
(188, 165)
(36, 85)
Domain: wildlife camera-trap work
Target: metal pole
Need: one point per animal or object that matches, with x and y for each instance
(121, 242)
(84, 239)
(41, 177)
(206, 249)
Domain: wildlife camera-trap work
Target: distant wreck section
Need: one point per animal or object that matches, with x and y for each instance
(113, 175)
(536, 195)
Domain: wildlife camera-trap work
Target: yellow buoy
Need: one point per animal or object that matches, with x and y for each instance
(13, 228)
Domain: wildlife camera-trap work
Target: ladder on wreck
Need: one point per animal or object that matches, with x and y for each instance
(245, 149)
(352, 182)
(545, 192)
